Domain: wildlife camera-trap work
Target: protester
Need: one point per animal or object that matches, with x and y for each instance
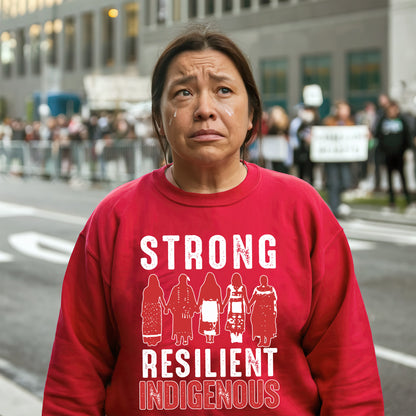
(309, 117)
(394, 139)
(210, 211)
(338, 174)
(278, 127)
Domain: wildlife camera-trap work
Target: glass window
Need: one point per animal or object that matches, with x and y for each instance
(69, 31)
(22, 7)
(264, 2)
(364, 77)
(8, 45)
(161, 11)
(176, 10)
(31, 5)
(20, 52)
(227, 5)
(245, 4)
(274, 81)
(192, 8)
(108, 38)
(51, 43)
(34, 34)
(209, 7)
(317, 70)
(131, 31)
(87, 40)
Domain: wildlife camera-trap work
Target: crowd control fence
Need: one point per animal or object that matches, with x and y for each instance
(115, 161)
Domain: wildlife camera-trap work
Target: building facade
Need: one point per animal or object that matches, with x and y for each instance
(353, 49)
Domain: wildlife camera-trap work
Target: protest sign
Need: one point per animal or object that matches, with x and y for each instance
(275, 148)
(339, 144)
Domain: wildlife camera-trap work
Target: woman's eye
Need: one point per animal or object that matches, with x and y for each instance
(224, 90)
(183, 93)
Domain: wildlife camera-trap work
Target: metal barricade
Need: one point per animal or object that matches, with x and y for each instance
(110, 161)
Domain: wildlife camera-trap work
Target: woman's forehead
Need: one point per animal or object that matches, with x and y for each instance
(207, 61)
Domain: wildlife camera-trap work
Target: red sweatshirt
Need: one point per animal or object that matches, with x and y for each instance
(225, 304)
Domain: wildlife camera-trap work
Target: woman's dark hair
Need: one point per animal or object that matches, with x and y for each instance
(201, 38)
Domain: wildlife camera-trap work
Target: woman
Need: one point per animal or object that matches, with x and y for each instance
(263, 317)
(152, 302)
(182, 305)
(237, 301)
(209, 211)
(209, 302)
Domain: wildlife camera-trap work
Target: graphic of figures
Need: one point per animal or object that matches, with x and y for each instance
(209, 303)
(182, 305)
(263, 317)
(237, 300)
(151, 314)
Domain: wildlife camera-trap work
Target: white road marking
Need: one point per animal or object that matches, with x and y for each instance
(380, 232)
(357, 245)
(395, 356)
(5, 257)
(14, 210)
(41, 246)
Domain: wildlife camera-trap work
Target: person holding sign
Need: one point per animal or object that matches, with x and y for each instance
(338, 174)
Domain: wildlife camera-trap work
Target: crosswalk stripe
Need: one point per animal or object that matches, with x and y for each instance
(395, 356)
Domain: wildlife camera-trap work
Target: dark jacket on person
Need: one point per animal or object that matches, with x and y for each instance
(393, 135)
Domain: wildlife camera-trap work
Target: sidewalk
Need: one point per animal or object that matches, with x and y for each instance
(16, 401)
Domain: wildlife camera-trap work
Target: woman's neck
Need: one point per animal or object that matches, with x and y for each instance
(206, 179)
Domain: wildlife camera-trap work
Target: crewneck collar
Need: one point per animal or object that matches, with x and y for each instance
(228, 197)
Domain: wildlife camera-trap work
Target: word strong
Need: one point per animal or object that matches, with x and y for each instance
(217, 251)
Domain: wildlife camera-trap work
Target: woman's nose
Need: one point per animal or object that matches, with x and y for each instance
(205, 107)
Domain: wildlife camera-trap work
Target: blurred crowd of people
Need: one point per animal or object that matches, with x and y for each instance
(391, 134)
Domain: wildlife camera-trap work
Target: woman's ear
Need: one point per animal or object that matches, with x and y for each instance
(250, 119)
(159, 126)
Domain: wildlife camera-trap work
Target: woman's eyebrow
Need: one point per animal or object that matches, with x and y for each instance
(182, 80)
(190, 78)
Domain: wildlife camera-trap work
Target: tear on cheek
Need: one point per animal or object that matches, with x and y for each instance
(171, 118)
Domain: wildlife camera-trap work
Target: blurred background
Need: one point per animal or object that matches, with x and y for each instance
(75, 123)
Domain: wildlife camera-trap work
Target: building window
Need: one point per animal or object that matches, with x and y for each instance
(192, 8)
(108, 38)
(20, 52)
(274, 81)
(51, 29)
(87, 40)
(161, 11)
(7, 53)
(364, 77)
(131, 31)
(22, 7)
(227, 6)
(209, 7)
(245, 4)
(317, 70)
(31, 5)
(176, 10)
(69, 32)
(34, 34)
(264, 2)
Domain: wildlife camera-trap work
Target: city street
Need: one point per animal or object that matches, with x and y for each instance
(40, 221)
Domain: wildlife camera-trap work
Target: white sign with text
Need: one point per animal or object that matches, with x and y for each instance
(339, 144)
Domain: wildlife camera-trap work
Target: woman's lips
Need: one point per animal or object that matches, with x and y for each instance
(206, 135)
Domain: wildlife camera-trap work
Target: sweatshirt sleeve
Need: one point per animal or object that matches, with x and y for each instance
(338, 342)
(84, 350)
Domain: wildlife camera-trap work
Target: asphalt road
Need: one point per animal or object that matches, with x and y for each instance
(39, 222)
